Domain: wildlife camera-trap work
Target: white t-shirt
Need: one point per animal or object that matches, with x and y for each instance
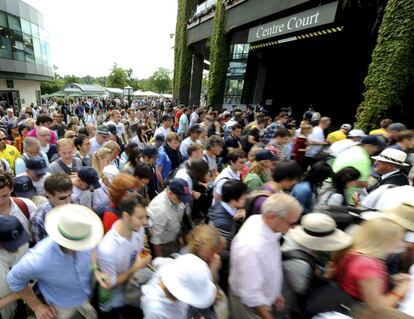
(116, 254)
(155, 305)
(182, 173)
(317, 136)
(225, 175)
(15, 211)
(162, 131)
(185, 144)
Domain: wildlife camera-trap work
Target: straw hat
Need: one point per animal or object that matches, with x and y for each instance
(318, 232)
(392, 155)
(74, 227)
(188, 278)
(402, 215)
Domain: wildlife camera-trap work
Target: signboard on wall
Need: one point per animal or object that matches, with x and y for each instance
(301, 21)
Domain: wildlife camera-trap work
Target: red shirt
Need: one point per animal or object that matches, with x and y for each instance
(177, 119)
(355, 267)
(109, 217)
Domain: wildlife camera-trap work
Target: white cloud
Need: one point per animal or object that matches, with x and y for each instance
(88, 36)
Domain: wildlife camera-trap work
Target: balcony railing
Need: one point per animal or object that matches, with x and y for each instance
(206, 9)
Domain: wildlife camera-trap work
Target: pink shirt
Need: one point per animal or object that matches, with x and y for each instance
(355, 267)
(33, 133)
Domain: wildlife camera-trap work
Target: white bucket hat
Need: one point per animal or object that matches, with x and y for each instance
(189, 279)
(74, 227)
(392, 155)
(357, 133)
(318, 231)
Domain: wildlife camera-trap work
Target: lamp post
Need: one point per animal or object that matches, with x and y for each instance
(128, 91)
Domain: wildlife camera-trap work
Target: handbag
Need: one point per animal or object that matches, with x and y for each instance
(330, 297)
(132, 292)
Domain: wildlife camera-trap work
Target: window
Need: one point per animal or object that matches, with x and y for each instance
(28, 49)
(44, 50)
(26, 28)
(3, 20)
(35, 30)
(37, 51)
(6, 51)
(14, 23)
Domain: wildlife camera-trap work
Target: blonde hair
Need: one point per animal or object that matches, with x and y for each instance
(252, 153)
(98, 156)
(306, 128)
(377, 238)
(205, 237)
(258, 168)
(64, 142)
(171, 136)
(112, 145)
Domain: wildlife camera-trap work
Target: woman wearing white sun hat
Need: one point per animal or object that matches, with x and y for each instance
(186, 281)
(317, 232)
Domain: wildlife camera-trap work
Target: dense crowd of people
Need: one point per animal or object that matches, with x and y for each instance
(117, 209)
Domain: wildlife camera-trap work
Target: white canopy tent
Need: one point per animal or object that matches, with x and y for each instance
(146, 94)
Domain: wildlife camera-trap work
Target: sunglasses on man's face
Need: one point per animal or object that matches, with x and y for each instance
(3, 138)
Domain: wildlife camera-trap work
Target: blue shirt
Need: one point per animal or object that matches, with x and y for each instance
(64, 280)
(164, 161)
(303, 193)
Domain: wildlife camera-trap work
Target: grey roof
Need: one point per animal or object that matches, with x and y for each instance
(84, 88)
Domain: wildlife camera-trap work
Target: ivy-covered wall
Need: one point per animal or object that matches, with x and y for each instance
(182, 54)
(219, 57)
(391, 72)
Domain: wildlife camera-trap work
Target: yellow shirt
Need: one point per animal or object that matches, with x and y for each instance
(379, 131)
(335, 136)
(10, 154)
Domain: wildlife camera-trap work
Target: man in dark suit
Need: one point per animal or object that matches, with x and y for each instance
(388, 165)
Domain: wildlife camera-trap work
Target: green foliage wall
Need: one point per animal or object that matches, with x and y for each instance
(391, 71)
(182, 54)
(219, 57)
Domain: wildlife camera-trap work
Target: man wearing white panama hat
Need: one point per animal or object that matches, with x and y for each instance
(61, 264)
(387, 165)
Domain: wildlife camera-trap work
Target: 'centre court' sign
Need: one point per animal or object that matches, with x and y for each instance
(303, 20)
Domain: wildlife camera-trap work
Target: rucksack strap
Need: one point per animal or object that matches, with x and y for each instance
(22, 206)
(65, 168)
(301, 255)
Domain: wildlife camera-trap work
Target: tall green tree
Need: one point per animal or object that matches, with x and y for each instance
(160, 81)
(219, 57)
(118, 77)
(391, 71)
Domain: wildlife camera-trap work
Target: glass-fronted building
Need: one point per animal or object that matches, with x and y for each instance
(24, 54)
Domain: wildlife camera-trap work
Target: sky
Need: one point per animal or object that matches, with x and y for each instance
(88, 36)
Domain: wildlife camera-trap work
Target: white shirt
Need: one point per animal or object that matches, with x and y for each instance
(194, 118)
(256, 275)
(212, 162)
(94, 145)
(162, 131)
(316, 136)
(120, 128)
(182, 173)
(155, 304)
(16, 212)
(40, 184)
(225, 175)
(185, 144)
(116, 254)
(407, 304)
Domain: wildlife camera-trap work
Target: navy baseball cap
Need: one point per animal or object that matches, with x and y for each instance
(374, 140)
(111, 128)
(160, 138)
(196, 128)
(12, 233)
(23, 186)
(89, 176)
(38, 165)
(266, 155)
(180, 188)
(150, 151)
